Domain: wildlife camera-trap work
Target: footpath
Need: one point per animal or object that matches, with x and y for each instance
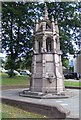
(72, 104)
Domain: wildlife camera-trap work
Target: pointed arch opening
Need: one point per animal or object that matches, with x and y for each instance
(39, 46)
(48, 26)
(49, 45)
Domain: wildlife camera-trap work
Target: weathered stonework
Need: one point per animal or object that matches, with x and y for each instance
(47, 73)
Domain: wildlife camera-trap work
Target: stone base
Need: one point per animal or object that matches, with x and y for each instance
(40, 95)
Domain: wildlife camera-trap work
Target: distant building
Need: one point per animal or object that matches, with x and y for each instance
(78, 63)
(77, 66)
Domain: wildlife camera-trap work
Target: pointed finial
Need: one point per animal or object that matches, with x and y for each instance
(37, 20)
(56, 22)
(45, 12)
(52, 19)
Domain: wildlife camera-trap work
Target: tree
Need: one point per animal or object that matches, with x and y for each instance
(18, 20)
(65, 63)
(68, 17)
(16, 34)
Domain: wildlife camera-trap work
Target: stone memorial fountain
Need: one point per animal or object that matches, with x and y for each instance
(47, 79)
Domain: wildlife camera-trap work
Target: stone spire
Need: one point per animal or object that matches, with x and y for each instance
(57, 29)
(52, 19)
(37, 25)
(45, 12)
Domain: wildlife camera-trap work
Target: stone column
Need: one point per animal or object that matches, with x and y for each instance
(44, 26)
(44, 42)
(43, 63)
(54, 42)
(43, 55)
(33, 73)
(53, 26)
(54, 58)
(58, 42)
(36, 46)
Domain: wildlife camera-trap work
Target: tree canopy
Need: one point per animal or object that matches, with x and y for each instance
(18, 21)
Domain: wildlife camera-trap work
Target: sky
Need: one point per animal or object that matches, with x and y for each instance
(3, 56)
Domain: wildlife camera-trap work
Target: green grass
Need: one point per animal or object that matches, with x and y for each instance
(17, 80)
(72, 83)
(14, 112)
(25, 80)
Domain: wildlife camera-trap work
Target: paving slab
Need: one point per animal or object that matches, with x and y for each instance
(71, 103)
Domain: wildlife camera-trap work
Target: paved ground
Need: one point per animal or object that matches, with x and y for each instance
(71, 103)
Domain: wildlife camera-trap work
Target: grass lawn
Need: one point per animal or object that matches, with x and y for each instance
(17, 80)
(72, 83)
(13, 112)
(25, 80)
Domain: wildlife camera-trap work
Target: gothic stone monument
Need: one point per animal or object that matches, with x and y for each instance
(47, 73)
(47, 76)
